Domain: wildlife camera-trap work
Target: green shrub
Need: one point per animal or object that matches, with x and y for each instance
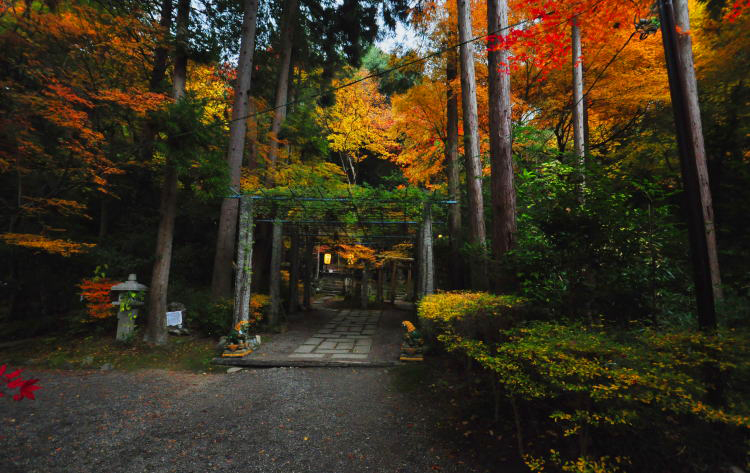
(211, 317)
(620, 254)
(607, 399)
(214, 317)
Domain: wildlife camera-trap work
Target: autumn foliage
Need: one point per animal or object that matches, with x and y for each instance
(97, 292)
(12, 380)
(738, 8)
(45, 244)
(579, 388)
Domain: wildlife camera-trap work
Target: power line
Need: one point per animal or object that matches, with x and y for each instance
(398, 67)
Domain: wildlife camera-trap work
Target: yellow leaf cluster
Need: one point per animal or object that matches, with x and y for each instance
(359, 121)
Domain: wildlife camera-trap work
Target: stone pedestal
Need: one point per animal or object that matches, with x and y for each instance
(126, 324)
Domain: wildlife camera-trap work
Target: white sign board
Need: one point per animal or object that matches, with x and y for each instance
(174, 318)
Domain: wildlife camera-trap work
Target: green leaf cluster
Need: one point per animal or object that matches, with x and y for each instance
(593, 387)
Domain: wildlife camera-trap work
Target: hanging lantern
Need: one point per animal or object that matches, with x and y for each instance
(327, 258)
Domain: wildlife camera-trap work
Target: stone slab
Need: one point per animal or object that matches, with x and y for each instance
(305, 363)
(305, 349)
(350, 356)
(306, 355)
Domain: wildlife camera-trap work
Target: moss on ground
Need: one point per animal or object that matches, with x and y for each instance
(91, 352)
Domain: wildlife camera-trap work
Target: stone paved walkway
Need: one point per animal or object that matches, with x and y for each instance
(328, 336)
(349, 336)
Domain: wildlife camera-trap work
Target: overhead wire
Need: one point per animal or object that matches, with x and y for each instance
(398, 67)
(377, 74)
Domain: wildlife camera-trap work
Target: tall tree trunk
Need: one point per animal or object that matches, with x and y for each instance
(452, 167)
(685, 44)
(579, 143)
(282, 82)
(156, 329)
(294, 272)
(243, 276)
(274, 312)
(161, 54)
(501, 152)
(471, 147)
(251, 163)
(221, 281)
(157, 77)
(678, 53)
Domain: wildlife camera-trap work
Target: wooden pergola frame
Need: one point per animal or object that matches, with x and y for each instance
(297, 209)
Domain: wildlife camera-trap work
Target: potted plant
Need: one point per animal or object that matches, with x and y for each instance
(413, 342)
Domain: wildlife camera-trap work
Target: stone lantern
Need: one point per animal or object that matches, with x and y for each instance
(128, 306)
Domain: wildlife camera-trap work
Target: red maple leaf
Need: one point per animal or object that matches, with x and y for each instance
(27, 390)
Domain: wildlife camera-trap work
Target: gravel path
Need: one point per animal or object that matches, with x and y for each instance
(274, 420)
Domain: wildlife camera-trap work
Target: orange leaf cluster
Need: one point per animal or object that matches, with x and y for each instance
(355, 253)
(80, 83)
(97, 293)
(40, 242)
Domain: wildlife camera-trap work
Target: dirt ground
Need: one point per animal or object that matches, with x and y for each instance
(256, 420)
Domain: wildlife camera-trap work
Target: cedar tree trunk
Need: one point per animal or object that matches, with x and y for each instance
(221, 281)
(156, 328)
(501, 152)
(472, 157)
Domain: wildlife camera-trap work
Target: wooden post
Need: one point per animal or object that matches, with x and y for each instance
(294, 273)
(317, 262)
(274, 312)
(364, 299)
(428, 279)
(394, 277)
(419, 265)
(307, 294)
(678, 54)
(381, 275)
(409, 286)
(243, 276)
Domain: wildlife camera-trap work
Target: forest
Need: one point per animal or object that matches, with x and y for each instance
(583, 166)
